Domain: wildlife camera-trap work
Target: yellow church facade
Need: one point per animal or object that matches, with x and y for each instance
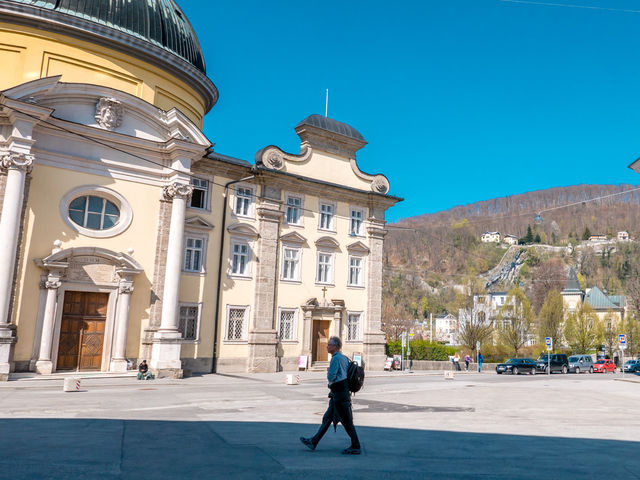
(126, 237)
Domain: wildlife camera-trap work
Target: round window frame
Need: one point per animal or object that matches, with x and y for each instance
(126, 213)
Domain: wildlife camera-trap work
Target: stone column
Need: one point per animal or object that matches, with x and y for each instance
(373, 337)
(165, 353)
(338, 306)
(44, 365)
(17, 166)
(307, 332)
(262, 334)
(119, 356)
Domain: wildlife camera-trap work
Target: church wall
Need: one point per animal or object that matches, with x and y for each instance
(48, 186)
(33, 54)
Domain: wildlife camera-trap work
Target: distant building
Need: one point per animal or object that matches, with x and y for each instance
(612, 307)
(623, 236)
(490, 237)
(446, 328)
(510, 239)
(597, 238)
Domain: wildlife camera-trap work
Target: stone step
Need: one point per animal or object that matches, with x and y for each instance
(319, 367)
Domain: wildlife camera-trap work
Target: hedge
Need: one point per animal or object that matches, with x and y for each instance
(422, 350)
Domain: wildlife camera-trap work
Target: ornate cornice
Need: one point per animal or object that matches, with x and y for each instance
(17, 161)
(274, 158)
(177, 190)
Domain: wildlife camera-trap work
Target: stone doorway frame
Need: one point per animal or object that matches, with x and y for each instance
(62, 275)
(320, 310)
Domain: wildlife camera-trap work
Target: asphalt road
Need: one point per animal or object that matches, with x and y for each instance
(476, 426)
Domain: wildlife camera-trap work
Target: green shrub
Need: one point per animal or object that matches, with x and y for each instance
(422, 350)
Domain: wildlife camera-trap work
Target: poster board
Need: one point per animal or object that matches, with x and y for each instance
(303, 361)
(397, 362)
(388, 365)
(357, 357)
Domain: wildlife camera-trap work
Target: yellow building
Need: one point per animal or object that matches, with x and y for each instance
(125, 236)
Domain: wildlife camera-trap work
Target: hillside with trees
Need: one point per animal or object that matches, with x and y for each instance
(434, 263)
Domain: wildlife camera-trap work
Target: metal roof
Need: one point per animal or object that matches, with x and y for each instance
(573, 285)
(331, 125)
(159, 22)
(598, 300)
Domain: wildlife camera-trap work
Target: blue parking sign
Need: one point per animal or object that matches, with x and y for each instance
(548, 342)
(622, 339)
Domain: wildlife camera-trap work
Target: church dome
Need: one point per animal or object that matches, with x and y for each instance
(156, 31)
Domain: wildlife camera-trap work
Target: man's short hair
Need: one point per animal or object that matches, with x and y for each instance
(336, 341)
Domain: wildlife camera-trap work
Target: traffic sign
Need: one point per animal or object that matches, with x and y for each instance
(548, 341)
(622, 339)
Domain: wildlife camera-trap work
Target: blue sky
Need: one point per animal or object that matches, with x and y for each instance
(460, 100)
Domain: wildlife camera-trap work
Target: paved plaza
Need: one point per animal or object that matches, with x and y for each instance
(247, 426)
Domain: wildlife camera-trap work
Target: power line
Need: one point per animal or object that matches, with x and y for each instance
(570, 5)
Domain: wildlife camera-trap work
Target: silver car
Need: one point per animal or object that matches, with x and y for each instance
(580, 363)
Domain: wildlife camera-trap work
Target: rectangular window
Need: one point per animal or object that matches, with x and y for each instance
(193, 254)
(244, 201)
(353, 326)
(237, 318)
(294, 210)
(355, 271)
(240, 258)
(200, 193)
(290, 263)
(286, 330)
(327, 212)
(188, 321)
(357, 217)
(325, 268)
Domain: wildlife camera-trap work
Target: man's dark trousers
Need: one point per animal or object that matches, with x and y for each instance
(340, 403)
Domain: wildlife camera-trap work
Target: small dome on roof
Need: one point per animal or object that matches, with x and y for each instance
(332, 125)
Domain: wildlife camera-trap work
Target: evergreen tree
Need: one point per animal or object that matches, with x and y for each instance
(528, 238)
(586, 234)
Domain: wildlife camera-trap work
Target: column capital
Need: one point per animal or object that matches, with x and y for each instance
(17, 161)
(52, 284)
(177, 190)
(376, 232)
(126, 288)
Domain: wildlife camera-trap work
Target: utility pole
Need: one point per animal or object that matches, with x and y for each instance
(431, 327)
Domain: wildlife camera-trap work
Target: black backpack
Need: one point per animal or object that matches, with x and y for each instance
(355, 377)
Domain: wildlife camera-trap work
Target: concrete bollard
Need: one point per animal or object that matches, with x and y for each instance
(71, 384)
(293, 380)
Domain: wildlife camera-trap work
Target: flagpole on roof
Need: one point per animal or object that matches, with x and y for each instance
(326, 103)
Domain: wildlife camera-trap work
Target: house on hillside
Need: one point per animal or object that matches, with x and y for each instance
(623, 236)
(598, 238)
(510, 239)
(490, 237)
(446, 329)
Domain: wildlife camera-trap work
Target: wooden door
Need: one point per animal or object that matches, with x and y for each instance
(84, 316)
(320, 340)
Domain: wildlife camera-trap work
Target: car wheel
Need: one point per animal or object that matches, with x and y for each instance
(515, 370)
(591, 370)
(564, 369)
(499, 373)
(533, 371)
(577, 369)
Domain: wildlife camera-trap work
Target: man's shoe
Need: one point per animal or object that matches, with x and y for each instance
(308, 443)
(351, 451)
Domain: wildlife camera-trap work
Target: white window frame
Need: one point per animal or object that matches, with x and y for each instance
(207, 192)
(203, 253)
(298, 273)
(362, 265)
(362, 212)
(300, 208)
(250, 206)
(332, 226)
(294, 325)
(358, 338)
(182, 305)
(331, 272)
(245, 324)
(240, 241)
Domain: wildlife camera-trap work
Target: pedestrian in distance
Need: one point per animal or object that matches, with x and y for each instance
(456, 361)
(480, 360)
(339, 409)
(143, 371)
(467, 361)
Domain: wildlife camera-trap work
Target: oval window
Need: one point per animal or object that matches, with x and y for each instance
(94, 213)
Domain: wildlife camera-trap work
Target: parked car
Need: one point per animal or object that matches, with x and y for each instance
(581, 363)
(516, 366)
(559, 362)
(631, 366)
(604, 366)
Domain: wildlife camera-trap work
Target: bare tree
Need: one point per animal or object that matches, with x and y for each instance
(474, 326)
(550, 275)
(395, 320)
(515, 319)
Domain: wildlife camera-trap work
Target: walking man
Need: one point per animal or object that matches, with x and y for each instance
(480, 360)
(339, 409)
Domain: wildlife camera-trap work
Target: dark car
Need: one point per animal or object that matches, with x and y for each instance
(516, 366)
(631, 366)
(557, 361)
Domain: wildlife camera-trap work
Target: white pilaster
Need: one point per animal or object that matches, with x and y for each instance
(44, 365)
(165, 354)
(119, 356)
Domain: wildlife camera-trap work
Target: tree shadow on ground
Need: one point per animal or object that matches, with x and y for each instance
(138, 449)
